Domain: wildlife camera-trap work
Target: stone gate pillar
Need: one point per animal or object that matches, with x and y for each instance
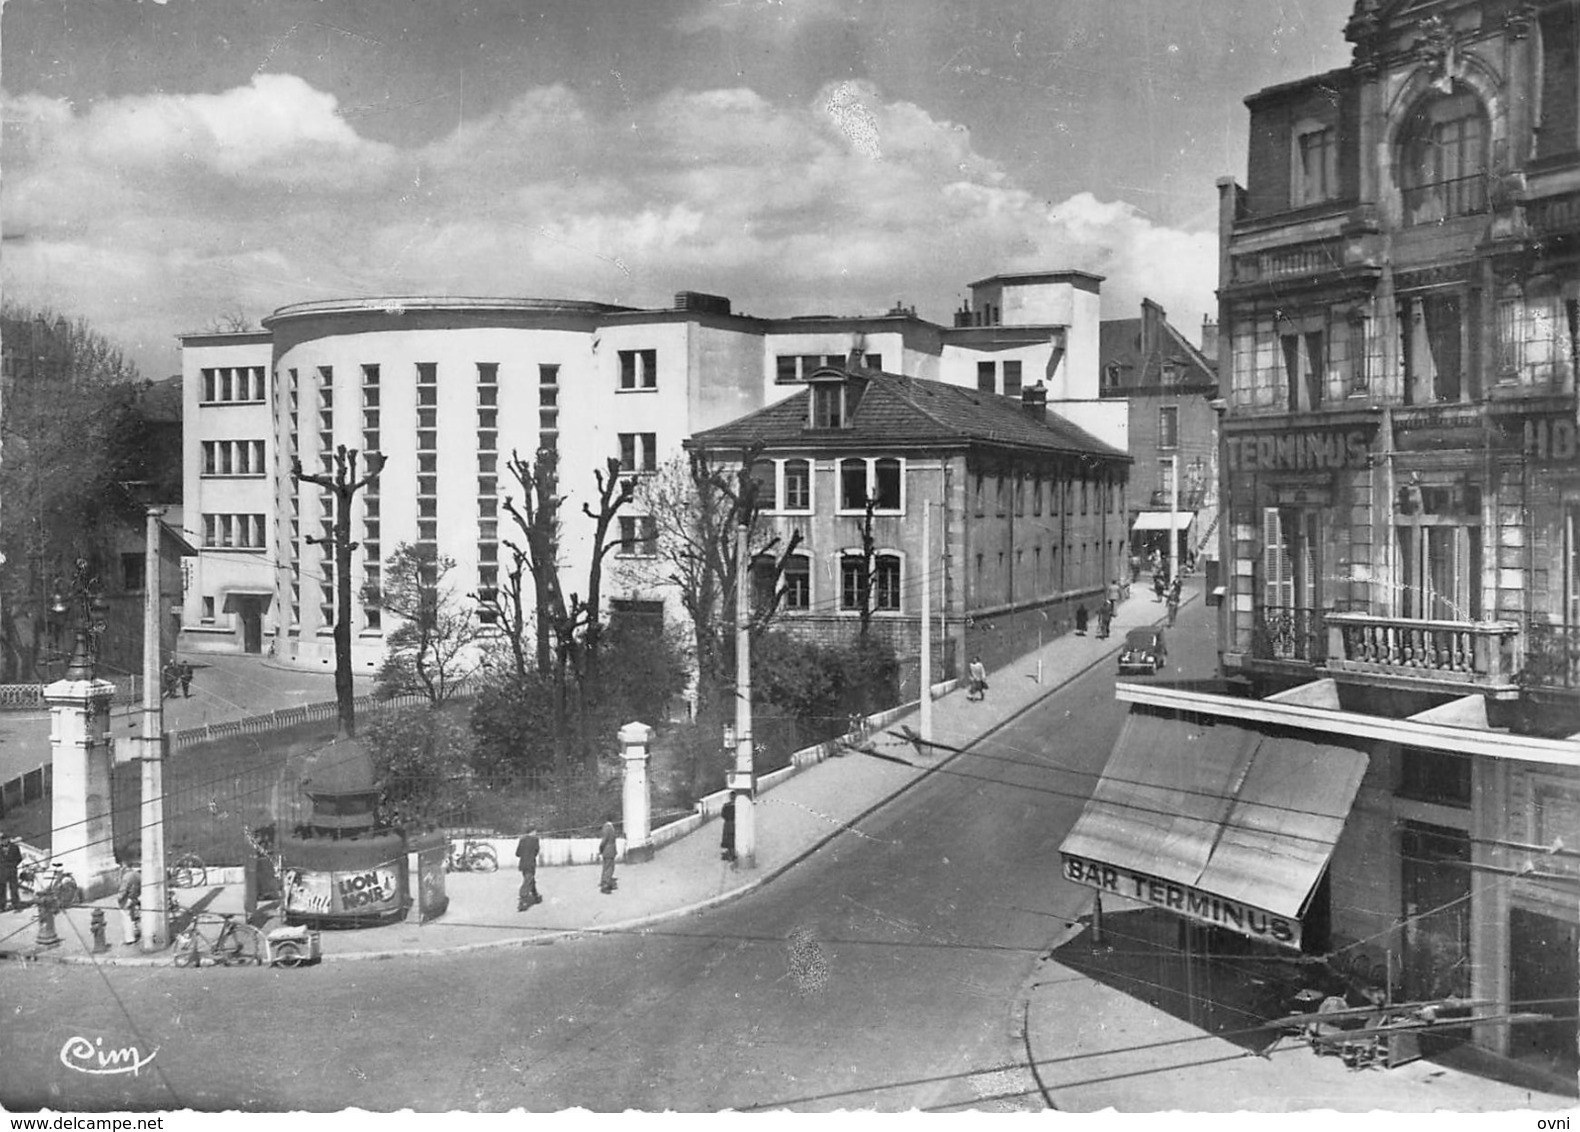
(636, 804)
(81, 834)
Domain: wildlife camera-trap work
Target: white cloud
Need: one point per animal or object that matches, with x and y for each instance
(264, 195)
(276, 128)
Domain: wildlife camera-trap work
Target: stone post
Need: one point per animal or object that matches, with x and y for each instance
(81, 837)
(636, 808)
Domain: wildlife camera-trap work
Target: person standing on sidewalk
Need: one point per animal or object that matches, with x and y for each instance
(607, 851)
(10, 867)
(130, 900)
(727, 839)
(1174, 601)
(976, 675)
(186, 679)
(527, 859)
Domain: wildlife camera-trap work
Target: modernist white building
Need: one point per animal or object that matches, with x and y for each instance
(448, 388)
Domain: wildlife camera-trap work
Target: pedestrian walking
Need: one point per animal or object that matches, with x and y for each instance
(130, 900)
(185, 672)
(1135, 568)
(1160, 585)
(527, 859)
(168, 678)
(10, 866)
(607, 850)
(1105, 618)
(1174, 601)
(727, 839)
(976, 676)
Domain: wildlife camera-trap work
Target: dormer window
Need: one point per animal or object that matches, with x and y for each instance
(1315, 164)
(828, 404)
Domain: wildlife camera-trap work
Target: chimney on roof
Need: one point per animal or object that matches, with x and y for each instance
(1034, 401)
(1209, 337)
(1152, 320)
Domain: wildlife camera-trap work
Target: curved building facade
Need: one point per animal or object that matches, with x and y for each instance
(447, 390)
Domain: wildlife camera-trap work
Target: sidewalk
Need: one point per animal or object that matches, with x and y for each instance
(1092, 1046)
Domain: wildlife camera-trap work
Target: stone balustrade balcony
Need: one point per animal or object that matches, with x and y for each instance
(1484, 655)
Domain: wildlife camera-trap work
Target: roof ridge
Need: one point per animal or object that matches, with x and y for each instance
(1196, 355)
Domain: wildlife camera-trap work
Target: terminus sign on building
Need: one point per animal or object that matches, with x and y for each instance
(1298, 451)
(1203, 907)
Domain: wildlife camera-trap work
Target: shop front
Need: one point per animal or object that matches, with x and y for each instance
(1225, 823)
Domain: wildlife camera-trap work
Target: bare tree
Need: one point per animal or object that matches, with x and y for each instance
(696, 508)
(569, 627)
(434, 649)
(537, 516)
(231, 320)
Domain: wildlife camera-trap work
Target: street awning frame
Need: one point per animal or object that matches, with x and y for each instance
(1219, 813)
(1159, 520)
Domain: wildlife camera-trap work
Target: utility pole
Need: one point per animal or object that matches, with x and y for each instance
(743, 781)
(345, 485)
(156, 932)
(1174, 506)
(927, 623)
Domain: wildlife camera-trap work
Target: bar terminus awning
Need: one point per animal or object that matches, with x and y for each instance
(1216, 820)
(1159, 520)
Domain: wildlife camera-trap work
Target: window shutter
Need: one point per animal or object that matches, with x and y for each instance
(1278, 584)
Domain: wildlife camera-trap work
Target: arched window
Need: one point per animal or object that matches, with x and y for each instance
(1443, 159)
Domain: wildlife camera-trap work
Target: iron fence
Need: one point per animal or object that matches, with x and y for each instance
(1288, 632)
(1552, 655)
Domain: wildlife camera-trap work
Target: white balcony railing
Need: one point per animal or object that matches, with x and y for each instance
(1480, 653)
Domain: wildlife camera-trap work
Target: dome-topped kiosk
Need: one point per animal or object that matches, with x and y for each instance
(341, 869)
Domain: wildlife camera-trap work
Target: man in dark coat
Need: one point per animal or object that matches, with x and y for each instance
(527, 858)
(10, 865)
(727, 841)
(607, 851)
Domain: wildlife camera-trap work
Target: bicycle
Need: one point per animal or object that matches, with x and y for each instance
(472, 857)
(48, 880)
(222, 939)
(189, 871)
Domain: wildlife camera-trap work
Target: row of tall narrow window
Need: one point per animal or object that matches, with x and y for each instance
(233, 458)
(1298, 362)
(882, 584)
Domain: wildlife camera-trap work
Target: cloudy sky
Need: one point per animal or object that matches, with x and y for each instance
(169, 164)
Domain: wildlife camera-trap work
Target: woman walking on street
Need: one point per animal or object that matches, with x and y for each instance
(606, 850)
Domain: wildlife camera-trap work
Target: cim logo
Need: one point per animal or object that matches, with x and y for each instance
(83, 1056)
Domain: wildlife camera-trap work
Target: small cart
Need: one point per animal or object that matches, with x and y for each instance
(293, 947)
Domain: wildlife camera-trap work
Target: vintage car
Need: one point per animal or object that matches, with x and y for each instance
(1143, 652)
